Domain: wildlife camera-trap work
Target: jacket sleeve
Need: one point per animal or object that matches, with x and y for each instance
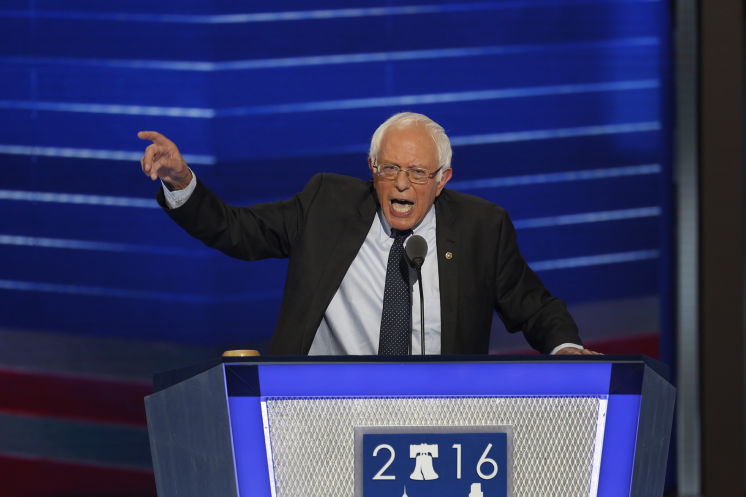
(253, 232)
(522, 301)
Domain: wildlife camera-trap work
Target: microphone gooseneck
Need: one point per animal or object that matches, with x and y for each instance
(416, 251)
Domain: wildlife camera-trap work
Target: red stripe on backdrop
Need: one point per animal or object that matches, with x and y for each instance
(43, 478)
(645, 344)
(73, 397)
(648, 344)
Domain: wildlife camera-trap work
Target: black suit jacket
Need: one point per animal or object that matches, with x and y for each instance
(321, 230)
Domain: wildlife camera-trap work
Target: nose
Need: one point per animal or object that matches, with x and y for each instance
(402, 180)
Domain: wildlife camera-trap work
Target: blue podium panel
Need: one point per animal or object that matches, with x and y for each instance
(589, 427)
(437, 379)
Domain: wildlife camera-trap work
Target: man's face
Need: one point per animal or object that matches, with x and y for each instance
(404, 203)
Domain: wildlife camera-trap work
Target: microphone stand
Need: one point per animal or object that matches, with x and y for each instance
(416, 251)
(422, 311)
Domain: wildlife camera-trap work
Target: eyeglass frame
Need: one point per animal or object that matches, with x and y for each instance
(428, 177)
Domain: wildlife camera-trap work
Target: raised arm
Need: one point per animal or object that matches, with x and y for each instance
(247, 232)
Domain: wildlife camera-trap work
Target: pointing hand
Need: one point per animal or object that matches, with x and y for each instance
(163, 160)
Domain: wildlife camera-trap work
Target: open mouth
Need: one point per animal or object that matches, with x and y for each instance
(401, 206)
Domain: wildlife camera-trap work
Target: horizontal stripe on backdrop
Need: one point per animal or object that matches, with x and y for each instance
(127, 293)
(355, 103)
(73, 397)
(330, 59)
(509, 137)
(100, 246)
(47, 477)
(594, 260)
(101, 444)
(93, 153)
(558, 177)
(586, 217)
(78, 199)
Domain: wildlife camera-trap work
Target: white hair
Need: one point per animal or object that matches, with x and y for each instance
(404, 119)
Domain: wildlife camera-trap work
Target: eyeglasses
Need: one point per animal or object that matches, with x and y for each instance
(415, 174)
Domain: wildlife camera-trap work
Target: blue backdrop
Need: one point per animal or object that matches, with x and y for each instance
(558, 110)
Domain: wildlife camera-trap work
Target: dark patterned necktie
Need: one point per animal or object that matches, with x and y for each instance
(396, 318)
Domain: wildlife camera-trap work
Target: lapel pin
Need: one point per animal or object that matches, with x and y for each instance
(449, 255)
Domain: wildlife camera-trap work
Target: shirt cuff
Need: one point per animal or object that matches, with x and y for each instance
(177, 198)
(563, 345)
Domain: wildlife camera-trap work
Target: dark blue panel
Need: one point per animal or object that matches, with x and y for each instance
(77, 175)
(249, 325)
(110, 131)
(591, 152)
(383, 33)
(423, 73)
(135, 6)
(15, 37)
(187, 269)
(242, 381)
(571, 197)
(195, 6)
(23, 129)
(604, 281)
(181, 91)
(358, 76)
(590, 238)
(337, 34)
(16, 4)
(342, 131)
(277, 178)
(111, 39)
(16, 83)
(626, 379)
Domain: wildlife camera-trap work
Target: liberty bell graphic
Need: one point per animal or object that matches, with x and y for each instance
(423, 455)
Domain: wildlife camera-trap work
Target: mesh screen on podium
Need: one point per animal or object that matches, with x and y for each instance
(436, 427)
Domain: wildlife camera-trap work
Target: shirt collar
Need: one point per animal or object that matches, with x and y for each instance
(424, 225)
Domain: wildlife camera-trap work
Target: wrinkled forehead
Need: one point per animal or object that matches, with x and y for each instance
(408, 144)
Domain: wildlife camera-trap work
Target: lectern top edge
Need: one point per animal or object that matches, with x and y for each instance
(620, 383)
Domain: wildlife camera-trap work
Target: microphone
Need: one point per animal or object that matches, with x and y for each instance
(416, 251)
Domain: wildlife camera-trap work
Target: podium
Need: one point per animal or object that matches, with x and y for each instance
(269, 427)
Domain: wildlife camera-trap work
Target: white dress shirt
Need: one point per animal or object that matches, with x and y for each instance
(352, 323)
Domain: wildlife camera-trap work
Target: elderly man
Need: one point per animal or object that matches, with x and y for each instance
(348, 289)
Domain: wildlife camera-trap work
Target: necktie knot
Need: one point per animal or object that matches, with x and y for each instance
(400, 235)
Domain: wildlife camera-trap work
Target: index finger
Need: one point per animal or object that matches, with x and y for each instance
(154, 136)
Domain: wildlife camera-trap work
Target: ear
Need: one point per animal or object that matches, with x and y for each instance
(445, 178)
(370, 165)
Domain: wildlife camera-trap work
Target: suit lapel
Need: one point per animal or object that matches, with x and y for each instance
(448, 260)
(347, 236)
